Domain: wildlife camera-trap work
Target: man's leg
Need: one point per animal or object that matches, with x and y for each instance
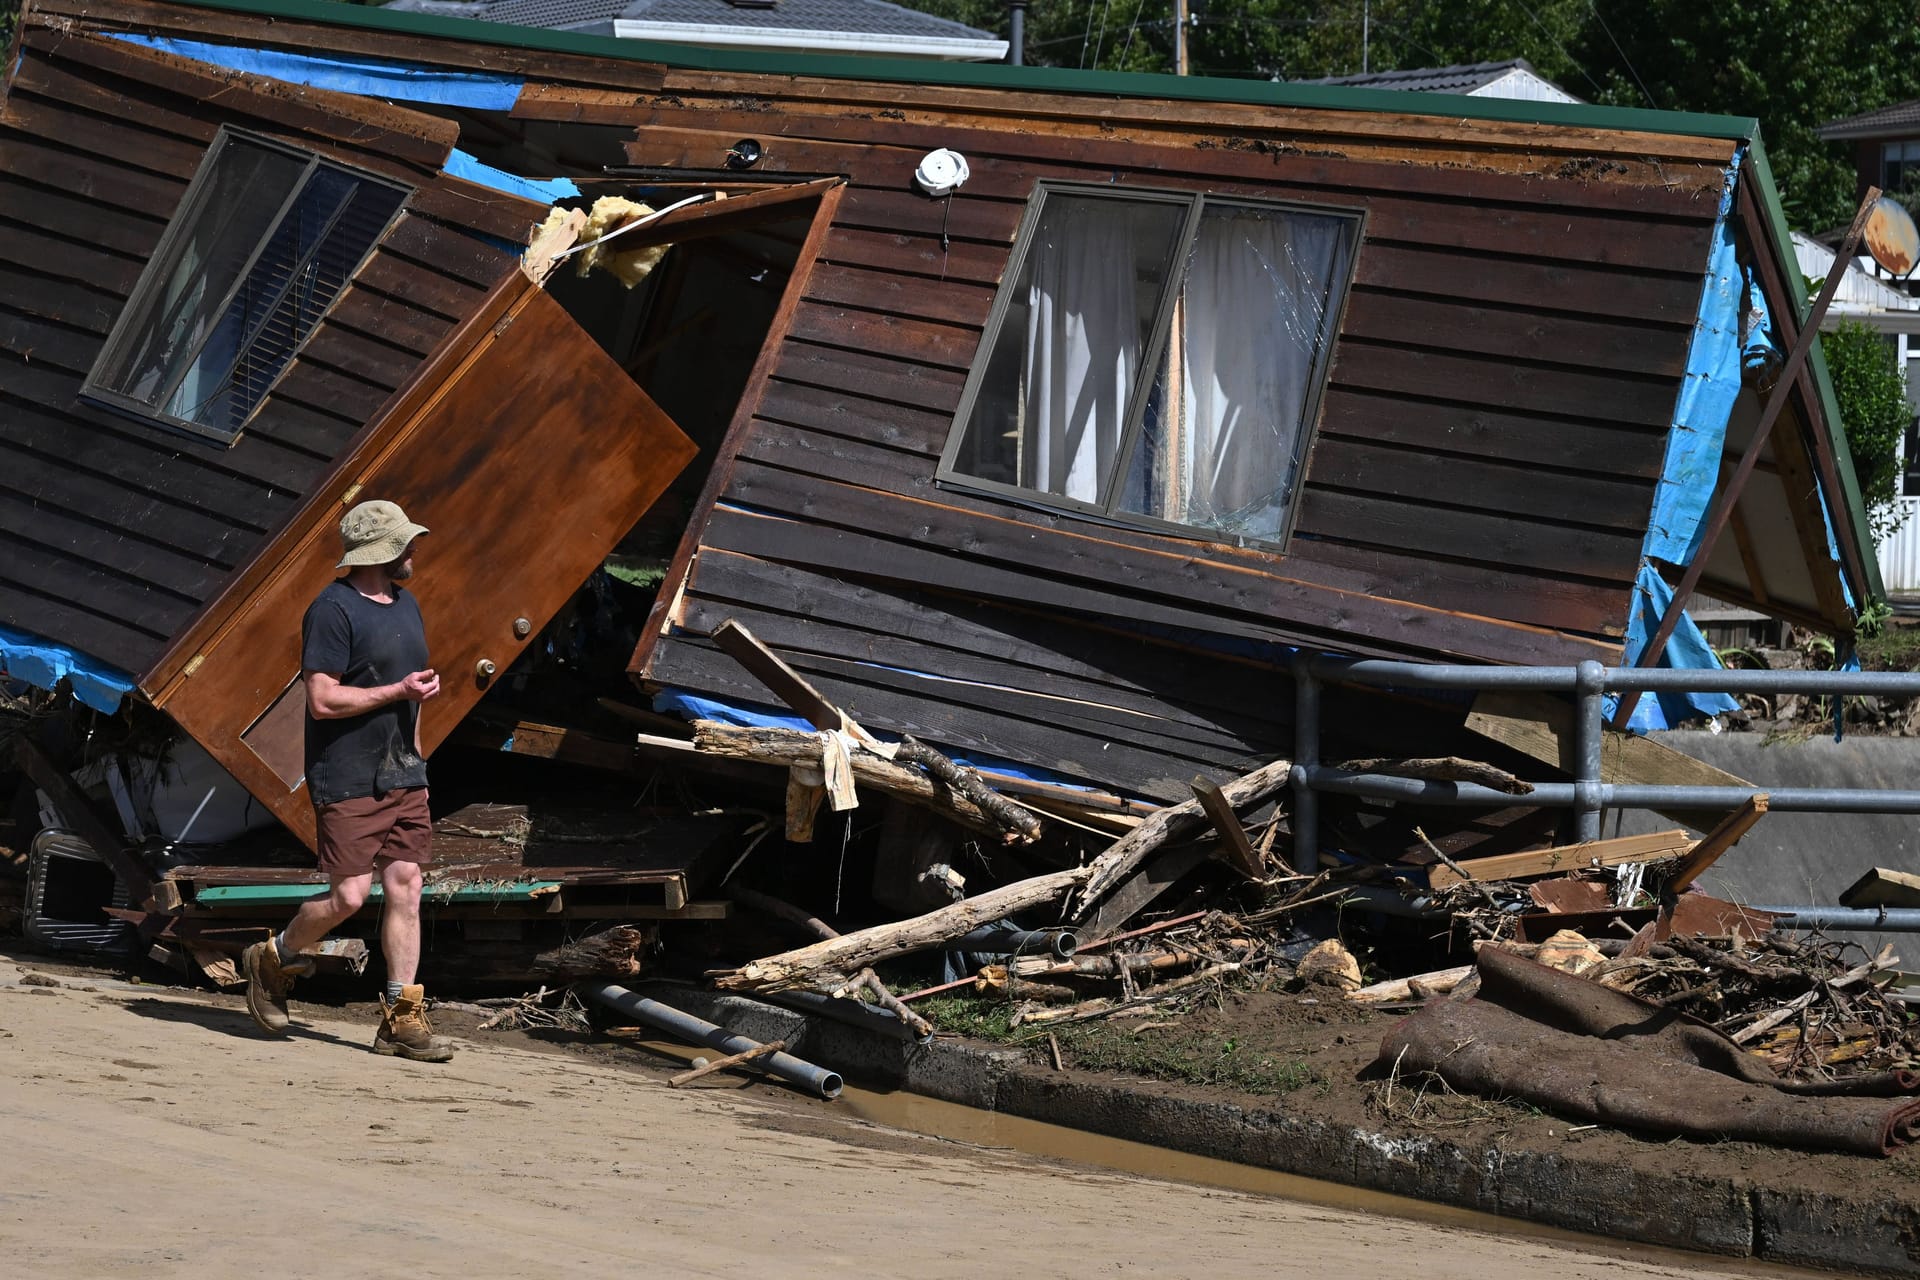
(271, 966)
(401, 882)
(404, 1030)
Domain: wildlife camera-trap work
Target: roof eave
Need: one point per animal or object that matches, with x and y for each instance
(1029, 79)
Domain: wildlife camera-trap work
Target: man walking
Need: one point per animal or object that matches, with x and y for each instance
(363, 656)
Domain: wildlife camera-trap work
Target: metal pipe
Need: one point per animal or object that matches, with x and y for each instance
(1017, 32)
(850, 1010)
(1388, 901)
(1612, 795)
(1414, 675)
(699, 1031)
(1590, 681)
(1305, 820)
(1881, 919)
(1004, 939)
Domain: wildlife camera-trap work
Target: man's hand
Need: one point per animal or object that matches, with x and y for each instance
(420, 685)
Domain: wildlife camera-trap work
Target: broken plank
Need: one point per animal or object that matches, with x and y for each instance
(1233, 836)
(1146, 886)
(1883, 887)
(1564, 858)
(1718, 841)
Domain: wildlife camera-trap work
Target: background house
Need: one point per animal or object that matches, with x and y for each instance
(864, 27)
(1514, 78)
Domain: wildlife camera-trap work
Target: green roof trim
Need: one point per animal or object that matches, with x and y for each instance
(1117, 84)
(1851, 503)
(267, 895)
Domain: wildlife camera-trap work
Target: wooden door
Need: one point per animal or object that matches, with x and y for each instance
(524, 448)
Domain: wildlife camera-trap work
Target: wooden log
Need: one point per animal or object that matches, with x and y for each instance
(806, 789)
(1438, 982)
(892, 1004)
(788, 747)
(767, 904)
(611, 953)
(1017, 820)
(1172, 823)
(853, 951)
(1444, 769)
(731, 1060)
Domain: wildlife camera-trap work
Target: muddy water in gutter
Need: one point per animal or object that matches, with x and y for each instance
(994, 1131)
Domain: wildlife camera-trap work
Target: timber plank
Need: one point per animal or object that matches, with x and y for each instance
(1420, 528)
(136, 555)
(845, 413)
(89, 177)
(52, 611)
(1520, 333)
(368, 360)
(67, 302)
(1483, 484)
(80, 262)
(881, 334)
(396, 321)
(1576, 288)
(138, 516)
(37, 338)
(953, 302)
(411, 136)
(449, 251)
(298, 36)
(848, 639)
(1077, 571)
(314, 379)
(293, 425)
(126, 231)
(1362, 363)
(114, 592)
(124, 453)
(124, 139)
(434, 294)
(1044, 737)
(910, 213)
(893, 253)
(878, 377)
(1446, 426)
(1564, 859)
(1052, 646)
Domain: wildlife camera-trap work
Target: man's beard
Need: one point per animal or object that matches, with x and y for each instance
(400, 570)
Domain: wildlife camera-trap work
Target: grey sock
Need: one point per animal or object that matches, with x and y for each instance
(393, 992)
(284, 949)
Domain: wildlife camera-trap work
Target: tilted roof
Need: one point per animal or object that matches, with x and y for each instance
(1881, 122)
(870, 17)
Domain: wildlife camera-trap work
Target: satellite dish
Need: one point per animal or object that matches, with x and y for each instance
(1891, 237)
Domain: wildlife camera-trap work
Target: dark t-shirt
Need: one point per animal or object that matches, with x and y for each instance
(366, 644)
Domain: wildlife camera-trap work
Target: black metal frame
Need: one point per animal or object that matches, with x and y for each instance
(160, 267)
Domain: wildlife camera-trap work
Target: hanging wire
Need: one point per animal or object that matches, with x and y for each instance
(1623, 55)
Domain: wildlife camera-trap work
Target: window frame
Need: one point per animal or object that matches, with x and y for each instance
(160, 268)
(1196, 200)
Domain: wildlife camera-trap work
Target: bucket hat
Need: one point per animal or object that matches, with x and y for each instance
(375, 532)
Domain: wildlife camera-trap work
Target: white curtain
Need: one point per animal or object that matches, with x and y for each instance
(1255, 305)
(1082, 352)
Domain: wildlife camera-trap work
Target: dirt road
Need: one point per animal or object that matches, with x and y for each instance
(152, 1133)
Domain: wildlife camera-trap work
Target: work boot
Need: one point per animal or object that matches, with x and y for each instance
(268, 981)
(404, 1031)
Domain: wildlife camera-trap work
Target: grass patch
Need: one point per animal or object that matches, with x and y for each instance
(1896, 648)
(1163, 1053)
(1194, 1057)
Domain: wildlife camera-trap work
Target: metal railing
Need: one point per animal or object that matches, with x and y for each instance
(1587, 684)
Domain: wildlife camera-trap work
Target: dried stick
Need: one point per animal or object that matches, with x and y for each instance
(732, 1060)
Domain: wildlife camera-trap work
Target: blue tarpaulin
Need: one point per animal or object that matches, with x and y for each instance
(388, 81)
(44, 664)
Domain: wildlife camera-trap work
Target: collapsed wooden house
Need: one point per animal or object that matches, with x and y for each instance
(1038, 414)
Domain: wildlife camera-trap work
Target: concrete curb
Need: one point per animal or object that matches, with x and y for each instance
(1712, 1215)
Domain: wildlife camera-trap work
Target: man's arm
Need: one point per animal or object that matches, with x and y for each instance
(328, 699)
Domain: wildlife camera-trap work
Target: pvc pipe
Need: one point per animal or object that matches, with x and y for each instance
(1305, 820)
(1611, 795)
(1588, 739)
(853, 1012)
(1882, 919)
(1003, 939)
(684, 1025)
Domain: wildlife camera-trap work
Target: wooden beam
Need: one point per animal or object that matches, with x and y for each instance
(785, 683)
(1139, 893)
(1563, 859)
(1233, 837)
(1882, 887)
(1743, 541)
(1718, 841)
(1730, 492)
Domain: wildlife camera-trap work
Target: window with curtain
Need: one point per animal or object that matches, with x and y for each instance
(265, 239)
(1157, 357)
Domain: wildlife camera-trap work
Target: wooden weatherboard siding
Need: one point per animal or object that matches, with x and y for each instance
(115, 532)
(1479, 486)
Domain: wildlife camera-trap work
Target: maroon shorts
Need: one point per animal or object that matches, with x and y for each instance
(354, 834)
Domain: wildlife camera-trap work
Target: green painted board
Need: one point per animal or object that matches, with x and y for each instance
(269, 895)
